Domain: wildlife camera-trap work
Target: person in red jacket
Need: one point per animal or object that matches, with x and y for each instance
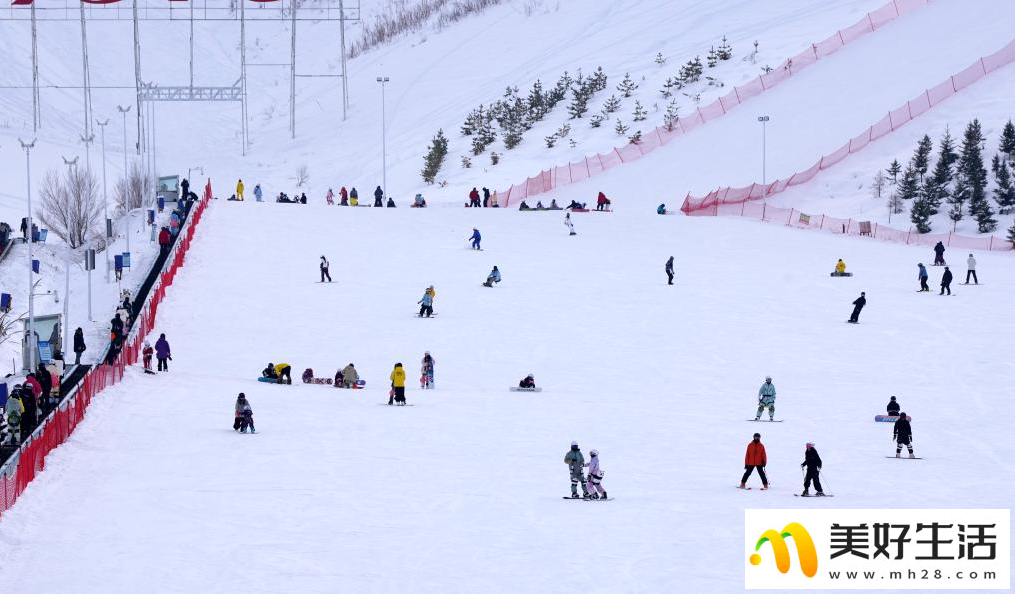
(163, 241)
(602, 202)
(474, 198)
(755, 458)
(146, 354)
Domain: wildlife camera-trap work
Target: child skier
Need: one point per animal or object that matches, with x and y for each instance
(903, 435)
(813, 463)
(426, 372)
(755, 458)
(324, 269)
(669, 271)
(595, 477)
(330, 197)
(475, 239)
(766, 399)
(575, 464)
(146, 355)
(244, 415)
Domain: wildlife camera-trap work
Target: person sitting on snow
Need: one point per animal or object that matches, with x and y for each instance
(269, 372)
(574, 204)
(493, 277)
(349, 376)
(528, 382)
(419, 202)
(523, 206)
(390, 204)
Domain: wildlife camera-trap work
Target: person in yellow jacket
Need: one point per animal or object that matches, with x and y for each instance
(239, 190)
(840, 267)
(353, 201)
(397, 385)
(283, 372)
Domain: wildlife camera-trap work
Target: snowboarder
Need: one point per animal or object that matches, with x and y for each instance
(79, 345)
(283, 372)
(324, 269)
(146, 356)
(669, 271)
(570, 226)
(946, 282)
(15, 408)
(493, 277)
(343, 197)
(939, 254)
(258, 193)
(893, 407)
(269, 372)
(349, 376)
(602, 202)
(474, 198)
(755, 458)
(390, 203)
(419, 201)
(239, 189)
(840, 268)
(330, 197)
(162, 352)
(922, 276)
(576, 464)
(661, 209)
(527, 382)
(397, 385)
(244, 415)
(303, 198)
(595, 477)
(494, 200)
(427, 302)
(903, 435)
(486, 197)
(378, 197)
(858, 305)
(971, 269)
(813, 463)
(766, 399)
(476, 238)
(426, 372)
(524, 206)
(184, 188)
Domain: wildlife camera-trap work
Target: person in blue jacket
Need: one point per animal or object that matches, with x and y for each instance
(493, 277)
(661, 209)
(923, 278)
(476, 238)
(426, 302)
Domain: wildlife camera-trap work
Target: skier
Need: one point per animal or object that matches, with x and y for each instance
(344, 197)
(349, 376)
(476, 238)
(258, 194)
(922, 276)
(330, 197)
(324, 269)
(602, 202)
(527, 382)
(595, 477)
(244, 415)
(669, 271)
(661, 209)
(426, 372)
(570, 226)
(575, 464)
(858, 305)
(398, 385)
(474, 198)
(755, 458)
(840, 268)
(766, 399)
(893, 407)
(971, 269)
(493, 277)
(239, 189)
(427, 303)
(162, 352)
(903, 435)
(146, 355)
(939, 254)
(378, 197)
(946, 282)
(79, 345)
(813, 463)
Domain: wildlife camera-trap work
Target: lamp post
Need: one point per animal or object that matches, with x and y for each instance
(70, 163)
(126, 174)
(384, 136)
(105, 198)
(764, 121)
(28, 146)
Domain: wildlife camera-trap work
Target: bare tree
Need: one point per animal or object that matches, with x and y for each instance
(8, 325)
(70, 205)
(302, 176)
(878, 185)
(137, 190)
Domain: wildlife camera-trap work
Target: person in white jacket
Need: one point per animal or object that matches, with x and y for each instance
(595, 481)
(971, 269)
(567, 221)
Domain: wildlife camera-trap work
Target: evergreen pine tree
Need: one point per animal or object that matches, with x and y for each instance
(635, 138)
(971, 162)
(1011, 234)
(667, 89)
(660, 59)
(537, 102)
(434, 158)
(612, 104)
(485, 135)
(550, 140)
(984, 215)
(1008, 141)
(713, 58)
(559, 91)
(919, 214)
(1004, 193)
(471, 122)
(596, 120)
(909, 187)
(579, 101)
(942, 175)
(639, 112)
(620, 128)
(627, 86)
(671, 117)
(725, 52)
(893, 171)
(921, 158)
(598, 80)
(932, 193)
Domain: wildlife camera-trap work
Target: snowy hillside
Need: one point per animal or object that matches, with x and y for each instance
(461, 492)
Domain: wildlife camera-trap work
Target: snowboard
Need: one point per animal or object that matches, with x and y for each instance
(888, 419)
(268, 380)
(851, 322)
(149, 372)
(843, 274)
(583, 499)
(579, 210)
(760, 421)
(749, 488)
(904, 458)
(394, 405)
(973, 284)
(319, 380)
(517, 389)
(799, 495)
(433, 315)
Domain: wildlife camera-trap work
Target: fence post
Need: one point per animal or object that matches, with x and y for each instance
(908, 235)
(822, 225)
(790, 220)
(949, 239)
(875, 231)
(764, 209)
(849, 223)
(743, 206)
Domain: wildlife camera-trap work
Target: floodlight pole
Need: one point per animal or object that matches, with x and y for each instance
(384, 135)
(31, 239)
(345, 78)
(36, 116)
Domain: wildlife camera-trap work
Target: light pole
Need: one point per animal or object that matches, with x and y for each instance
(105, 200)
(70, 163)
(764, 121)
(384, 137)
(28, 146)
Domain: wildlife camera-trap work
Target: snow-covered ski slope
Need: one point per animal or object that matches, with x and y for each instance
(461, 492)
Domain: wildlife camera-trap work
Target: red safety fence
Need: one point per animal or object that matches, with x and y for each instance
(590, 166)
(892, 121)
(55, 429)
(792, 217)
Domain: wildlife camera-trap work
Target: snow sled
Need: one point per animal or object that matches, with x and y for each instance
(517, 389)
(308, 378)
(841, 274)
(268, 380)
(889, 419)
(359, 385)
(579, 210)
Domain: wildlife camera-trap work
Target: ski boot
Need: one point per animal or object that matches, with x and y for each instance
(771, 418)
(594, 496)
(603, 497)
(819, 494)
(806, 493)
(898, 455)
(742, 486)
(912, 455)
(574, 496)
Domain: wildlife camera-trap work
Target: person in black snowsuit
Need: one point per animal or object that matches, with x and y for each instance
(269, 372)
(669, 270)
(116, 324)
(378, 197)
(79, 345)
(486, 197)
(903, 434)
(813, 463)
(29, 417)
(324, 269)
(857, 306)
(893, 407)
(45, 381)
(185, 189)
(939, 254)
(946, 281)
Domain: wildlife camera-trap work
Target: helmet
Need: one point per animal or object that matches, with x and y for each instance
(810, 445)
(768, 378)
(574, 444)
(594, 453)
(757, 436)
(241, 396)
(902, 414)
(893, 398)
(271, 364)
